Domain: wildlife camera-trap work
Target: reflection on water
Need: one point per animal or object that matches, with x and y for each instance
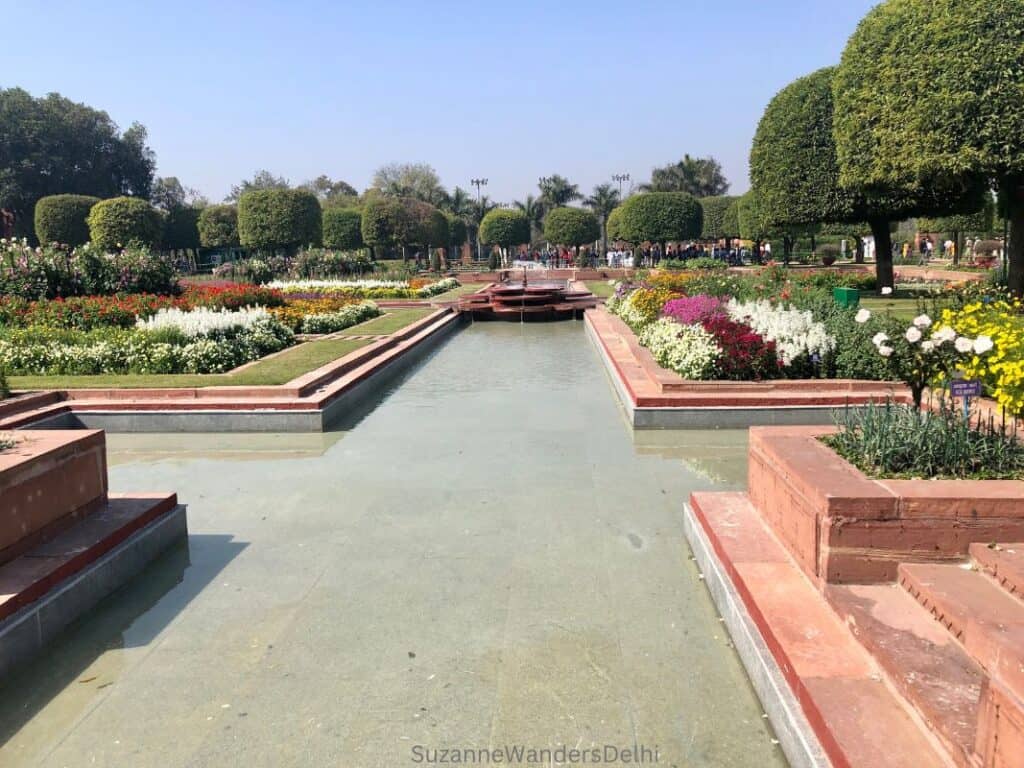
(488, 556)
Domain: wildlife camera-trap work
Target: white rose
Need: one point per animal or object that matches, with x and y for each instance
(863, 316)
(922, 321)
(964, 345)
(982, 344)
(887, 291)
(879, 338)
(913, 334)
(885, 351)
(928, 346)
(943, 335)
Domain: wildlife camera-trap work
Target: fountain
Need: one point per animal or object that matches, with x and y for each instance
(544, 299)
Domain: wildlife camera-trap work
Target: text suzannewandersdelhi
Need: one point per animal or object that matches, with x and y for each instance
(521, 754)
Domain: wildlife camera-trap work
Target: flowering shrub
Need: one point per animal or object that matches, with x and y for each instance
(332, 322)
(798, 337)
(50, 271)
(203, 321)
(745, 355)
(641, 307)
(689, 350)
(232, 296)
(364, 289)
(1001, 371)
(294, 311)
(693, 309)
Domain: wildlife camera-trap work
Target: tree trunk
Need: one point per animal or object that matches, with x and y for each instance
(883, 253)
(957, 247)
(858, 252)
(604, 238)
(814, 244)
(1015, 249)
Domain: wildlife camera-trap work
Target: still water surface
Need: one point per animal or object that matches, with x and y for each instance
(486, 557)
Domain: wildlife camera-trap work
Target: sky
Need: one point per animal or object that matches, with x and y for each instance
(504, 91)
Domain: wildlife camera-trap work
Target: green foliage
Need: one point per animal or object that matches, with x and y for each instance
(432, 226)
(661, 217)
(748, 211)
(613, 226)
(697, 176)
(720, 219)
(342, 228)
(181, 229)
(218, 226)
(505, 227)
(270, 219)
(457, 233)
(385, 221)
(571, 226)
(124, 221)
(62, 219)
(981, 223)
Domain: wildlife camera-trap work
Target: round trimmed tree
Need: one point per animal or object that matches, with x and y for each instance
(181, 229)
(613, 226)
(63, 219)
(505, 227)
(661, 217)
(218, 226)
(343, 228)
(571, 226)
(719, 220)
(273, 219)
(122, 221)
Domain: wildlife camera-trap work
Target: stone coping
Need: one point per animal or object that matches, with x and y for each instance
(310, 392)
(845, 527)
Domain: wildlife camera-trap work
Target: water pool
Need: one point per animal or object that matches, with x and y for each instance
(487, 557)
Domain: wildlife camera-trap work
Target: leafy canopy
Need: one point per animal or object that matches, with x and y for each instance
(698, 176)
(505, 227)
(571, 226)
(660, 217)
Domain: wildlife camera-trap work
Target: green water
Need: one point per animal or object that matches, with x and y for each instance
(488, 557)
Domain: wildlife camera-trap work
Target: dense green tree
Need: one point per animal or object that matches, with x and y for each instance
(414, 180)
(613, 226)
(273, 219)
(403, 221)
(533, 209)
(218, 226)
(63, 218)
(571, 226)
(504, 227)
(169, 193)
(52, 145)
(457, 230)
(328, 191)
(556, 192)
(661, 217)
(123, 221)
(720, 219)
(602, 201)
(343, 228)
(261, 180)
(697, 176)
(931, 94)
(181, 228)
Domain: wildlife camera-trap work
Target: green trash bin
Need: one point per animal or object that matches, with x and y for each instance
(846, 297)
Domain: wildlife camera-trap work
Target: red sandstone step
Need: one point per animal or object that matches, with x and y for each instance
(33, 574)
(1004, 563)
(985, 618)
(926, 665)
(859, 720)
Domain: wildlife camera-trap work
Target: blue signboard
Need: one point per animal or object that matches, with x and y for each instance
(965, 388)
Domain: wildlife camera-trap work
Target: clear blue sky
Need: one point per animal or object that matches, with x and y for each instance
(510, 91)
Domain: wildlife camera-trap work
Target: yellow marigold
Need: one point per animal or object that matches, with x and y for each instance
(1002, 369)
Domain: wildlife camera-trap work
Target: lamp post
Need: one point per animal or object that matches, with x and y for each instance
(478, 183)
(620, 177)
(542, 182)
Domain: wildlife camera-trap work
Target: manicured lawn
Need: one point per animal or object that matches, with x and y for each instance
(462, 290)
(901, 308)
(600, 288)
(275, 370)
(394, 320)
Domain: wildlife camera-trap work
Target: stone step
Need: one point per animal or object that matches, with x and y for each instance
(1004, 563)
(923, 661)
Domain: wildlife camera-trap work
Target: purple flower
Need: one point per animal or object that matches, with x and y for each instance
(693, 309)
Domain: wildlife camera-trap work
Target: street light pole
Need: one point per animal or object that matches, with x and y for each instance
(478, 183)
(620, 177)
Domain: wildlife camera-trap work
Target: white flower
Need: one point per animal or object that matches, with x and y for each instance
(982, 344)
(887, 291)
(863, 316)
(913, 334)
(943, 335)
(795, 333)
(928, 346)
(879, 338)
(922, 321)
(885, 351)
(964, 345)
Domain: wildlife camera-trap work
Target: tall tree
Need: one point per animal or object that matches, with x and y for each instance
(931, 90)
(169, 193)
(602, 201)
(697, 176)
(52, 145)
(261, 180)
(328, 190)
(416, 180)
(557, 192)
(533, 209)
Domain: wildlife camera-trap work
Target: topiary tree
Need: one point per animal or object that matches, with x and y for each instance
(181, 229)
(717, 222)
(343, 228)
(751, 222)
(504, 227)
(932, 103)
(272, 219)
(613, 226)
(571, 226)
(123, 221)
(62, 219)
(384, 221)
(661, 217)
(218, 226)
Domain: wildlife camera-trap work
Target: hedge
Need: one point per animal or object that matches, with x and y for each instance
(63, 219)
(218, 226)
(343, 228)
(272, 219)
(122, 221)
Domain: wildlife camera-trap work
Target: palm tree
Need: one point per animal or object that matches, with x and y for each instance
(534, 210)
(602, 201)
(556, 191)
(700, 176)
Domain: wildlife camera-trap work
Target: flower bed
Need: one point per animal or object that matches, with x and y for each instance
(364, 289)
(339, 320)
